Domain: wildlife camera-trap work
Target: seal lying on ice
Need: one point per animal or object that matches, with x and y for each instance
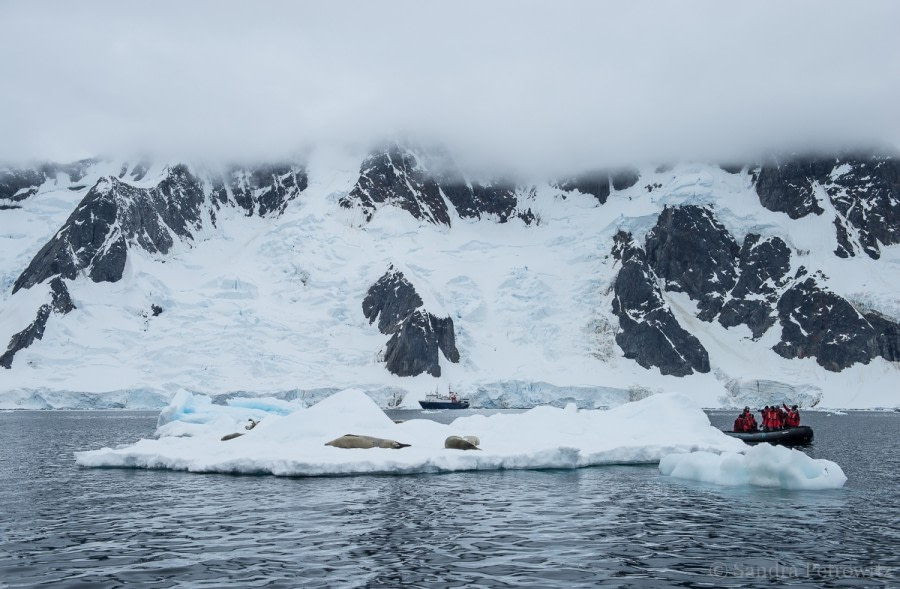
(357, 441)
(462, 443)
(231, 436)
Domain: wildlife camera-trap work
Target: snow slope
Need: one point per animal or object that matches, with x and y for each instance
(272, 306)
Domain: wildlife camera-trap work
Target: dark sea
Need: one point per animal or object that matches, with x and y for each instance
(619, 526)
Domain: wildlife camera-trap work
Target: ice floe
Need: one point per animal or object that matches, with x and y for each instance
(760, 466)
(290, 439)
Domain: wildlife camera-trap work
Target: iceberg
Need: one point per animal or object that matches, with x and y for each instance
(759, 466)
(290, 439)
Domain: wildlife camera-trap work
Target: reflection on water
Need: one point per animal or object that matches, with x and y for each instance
(617, 526)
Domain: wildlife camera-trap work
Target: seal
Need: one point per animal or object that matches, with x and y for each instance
(357, 441)
(231, 436)
(251, 424)
(465, 443)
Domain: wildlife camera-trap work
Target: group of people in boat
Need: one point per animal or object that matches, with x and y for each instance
(773, 418)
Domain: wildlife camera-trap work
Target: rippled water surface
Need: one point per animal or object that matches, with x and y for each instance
(65, 526)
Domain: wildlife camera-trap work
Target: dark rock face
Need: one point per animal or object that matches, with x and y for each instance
(818, 323)
(762, 274)
(474, 200)
(732, 168)
(413, 349)
(600, 182)
(26, 337)
(62, 301)
(624, 178)
(528, 217)
(844, 249)
(262, 190)
(888, 339)
(416, 335)
(140, 171)
(17, 184)
(865, 192)
(398, 177)
(395, 177)
(61, 304)
(115, 215)
(694, 254)
(788, 187)
(649, 333)
(595, 183)
(390, 300)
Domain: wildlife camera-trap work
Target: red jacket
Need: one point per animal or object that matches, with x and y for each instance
(792, 419)
(749, 422)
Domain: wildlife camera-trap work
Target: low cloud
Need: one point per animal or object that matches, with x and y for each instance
(533, 85)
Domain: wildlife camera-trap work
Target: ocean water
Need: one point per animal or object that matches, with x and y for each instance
(621, 526)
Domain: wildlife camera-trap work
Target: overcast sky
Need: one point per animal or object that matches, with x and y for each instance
(538, 83)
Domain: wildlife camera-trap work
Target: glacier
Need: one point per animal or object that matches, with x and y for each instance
(270, 306)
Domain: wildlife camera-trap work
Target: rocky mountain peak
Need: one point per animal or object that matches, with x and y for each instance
(648, 331)
(427, 186)
(862, 189)
(693, 253)
(416, 334)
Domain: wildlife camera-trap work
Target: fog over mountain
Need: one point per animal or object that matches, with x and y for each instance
(533, 202)
(523, 85)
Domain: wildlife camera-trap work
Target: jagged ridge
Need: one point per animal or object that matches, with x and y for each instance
(416, 334)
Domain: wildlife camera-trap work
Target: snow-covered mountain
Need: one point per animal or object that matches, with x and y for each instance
(396, 272)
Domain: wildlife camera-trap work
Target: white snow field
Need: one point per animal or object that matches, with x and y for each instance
(289, 440)
(763, 465)
(273, 306)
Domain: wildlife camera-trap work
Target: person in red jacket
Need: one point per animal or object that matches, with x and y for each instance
(749, 421)
(769, 418)
(780, 417)
(793, 416)
(771, 421)
(740, 425)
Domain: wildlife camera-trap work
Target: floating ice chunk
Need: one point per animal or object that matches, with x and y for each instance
(760, 466)
(188, 414)
(266, 404)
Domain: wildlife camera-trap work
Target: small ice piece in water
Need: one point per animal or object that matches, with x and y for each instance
(760, 466)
